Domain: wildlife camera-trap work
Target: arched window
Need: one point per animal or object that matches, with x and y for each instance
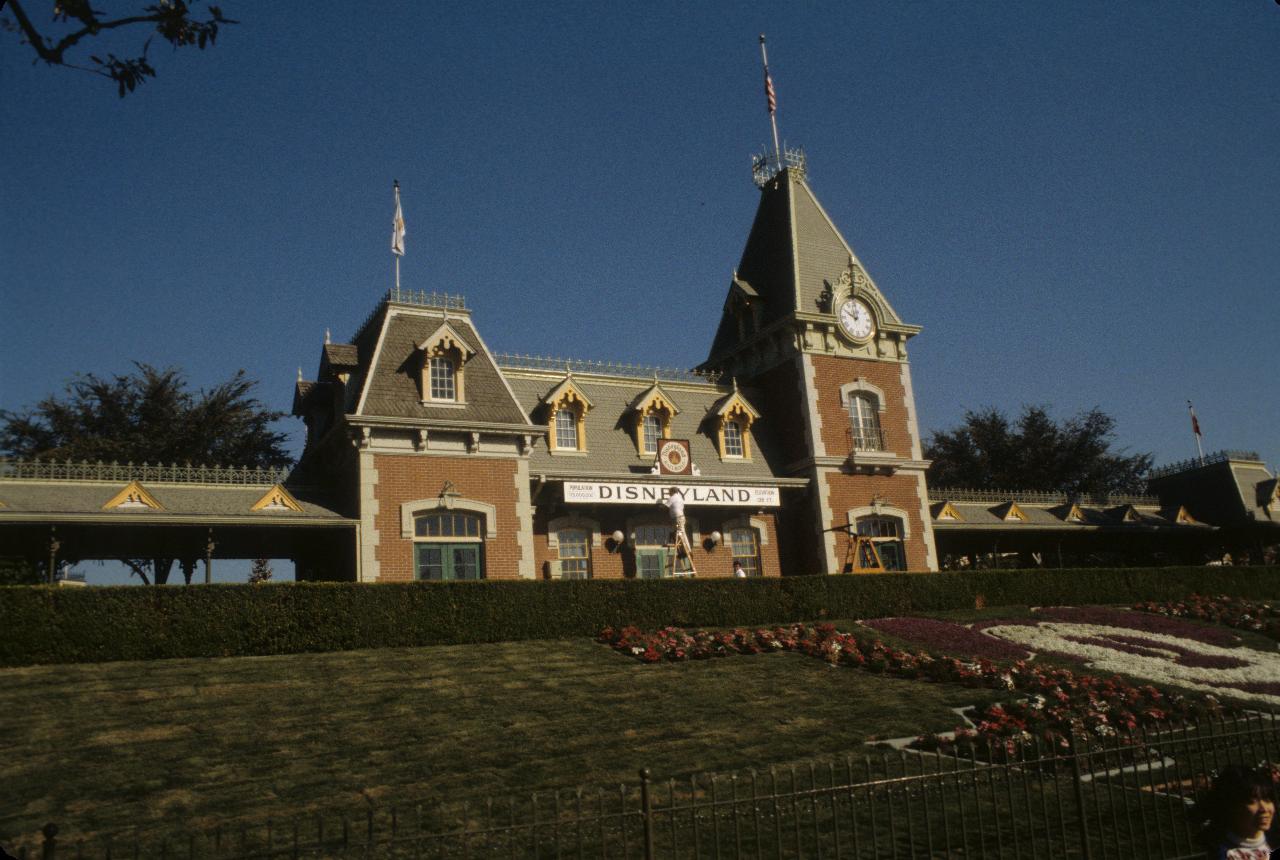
(745, 547)
(886, 534)
(733, 439)
(865, 422)
(566, 430)
(575, 553)
(442, 378)
(448, 545)
(652, 432)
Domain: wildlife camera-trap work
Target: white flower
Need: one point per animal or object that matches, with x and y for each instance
(1156, 663)
(636, 649)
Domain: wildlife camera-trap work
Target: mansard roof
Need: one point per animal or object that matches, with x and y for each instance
(391, 365)
(610, 426)
(1225, 488)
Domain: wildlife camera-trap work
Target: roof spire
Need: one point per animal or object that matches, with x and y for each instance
(326, 336)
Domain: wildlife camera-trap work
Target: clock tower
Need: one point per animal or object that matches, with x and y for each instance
(806, 327)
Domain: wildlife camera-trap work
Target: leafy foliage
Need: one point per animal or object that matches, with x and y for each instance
(172, 21)
(261, 571)
(19, 571)
(42, 624)
(988, 451)
(148, 416)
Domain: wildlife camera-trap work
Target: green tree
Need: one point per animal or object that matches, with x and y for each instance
(20, 571)
(988, 451)
(75, 20)
(261, 571)
(149, 416)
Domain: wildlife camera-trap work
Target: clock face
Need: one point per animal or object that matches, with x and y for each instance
(673, 456)
(856, 320)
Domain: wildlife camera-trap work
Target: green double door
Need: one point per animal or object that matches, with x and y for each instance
(448, 561)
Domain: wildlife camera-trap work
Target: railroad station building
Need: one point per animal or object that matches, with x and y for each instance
(795, 448)
(459, 463)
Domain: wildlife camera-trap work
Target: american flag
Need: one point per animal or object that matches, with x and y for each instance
(1195, 425)
(769, 93)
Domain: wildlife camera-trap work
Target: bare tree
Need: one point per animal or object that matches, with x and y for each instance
(76, 20)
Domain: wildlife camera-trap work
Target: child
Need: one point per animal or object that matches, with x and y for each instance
(1240, 808)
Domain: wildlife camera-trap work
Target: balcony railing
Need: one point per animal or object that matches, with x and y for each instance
(868, 439)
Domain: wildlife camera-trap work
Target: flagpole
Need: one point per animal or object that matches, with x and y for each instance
(397, 233)
(773, 118)
(1195, 429)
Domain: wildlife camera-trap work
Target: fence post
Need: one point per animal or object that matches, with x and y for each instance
(646, 813)
(1079, 794)
(50, 847)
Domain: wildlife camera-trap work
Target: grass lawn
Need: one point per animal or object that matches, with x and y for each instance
(100, 748)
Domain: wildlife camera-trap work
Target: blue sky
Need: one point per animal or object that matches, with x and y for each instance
(1078, 201)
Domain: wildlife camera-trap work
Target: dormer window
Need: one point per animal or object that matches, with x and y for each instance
(654, 411)
(443, 378)
(566, 430)
(734, 417)
(444, 358)
(567, 407)
(732, 439)
(654, 428)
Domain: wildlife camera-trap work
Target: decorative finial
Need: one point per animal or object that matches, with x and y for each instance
(299, 373)
(326, 336)
(734, 379)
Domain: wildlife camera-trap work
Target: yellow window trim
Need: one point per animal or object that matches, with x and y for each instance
(740, 411)
(567, 395)
(136, 490)
(277, 496)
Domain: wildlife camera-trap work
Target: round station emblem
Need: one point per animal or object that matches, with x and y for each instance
(673, 456)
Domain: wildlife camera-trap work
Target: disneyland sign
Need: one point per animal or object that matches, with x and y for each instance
(610, 493)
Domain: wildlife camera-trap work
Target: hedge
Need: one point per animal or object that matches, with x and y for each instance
(42, 624)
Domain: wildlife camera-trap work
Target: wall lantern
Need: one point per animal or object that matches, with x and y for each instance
(617, 537)
(713, 540)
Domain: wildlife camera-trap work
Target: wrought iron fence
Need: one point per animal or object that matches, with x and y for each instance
(1030, 497)
(1129, 798)
(155, 473)
(1197, 462)
(610, 368)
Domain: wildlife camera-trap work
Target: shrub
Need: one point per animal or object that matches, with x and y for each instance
(41, 624)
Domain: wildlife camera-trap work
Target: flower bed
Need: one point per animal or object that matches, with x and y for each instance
(1255, 615)
(1122, 618)
(1057, 704)
(1162, 658)
(949, 638)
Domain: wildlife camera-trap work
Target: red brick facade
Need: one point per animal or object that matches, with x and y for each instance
(611, 562)
(409, 478)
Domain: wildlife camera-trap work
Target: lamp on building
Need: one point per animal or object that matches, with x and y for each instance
(713, 540)
(617, 537)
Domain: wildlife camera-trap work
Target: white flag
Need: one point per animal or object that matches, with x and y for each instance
(397, 228)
